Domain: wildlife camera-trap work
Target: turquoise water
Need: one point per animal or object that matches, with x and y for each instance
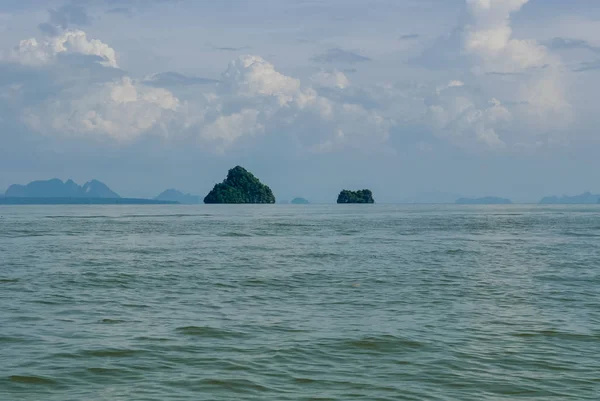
(366, 302)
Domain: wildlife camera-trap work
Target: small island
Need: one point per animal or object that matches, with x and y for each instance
(173, 195)
(586, 198)
(300, 201)
(361, 196)
(240, 186)
(488, 200)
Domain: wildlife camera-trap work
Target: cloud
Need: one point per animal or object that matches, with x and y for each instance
(508, 88)
(568, 44)
(467, 120)
(122, 110)
(170, 79)
(34, 52)
(253, 98)
(331, 79)
(337, 55)
(251, 76)
(488, 36)
(63, 17)
(69, 14)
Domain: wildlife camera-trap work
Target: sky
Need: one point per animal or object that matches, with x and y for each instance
(418, 100)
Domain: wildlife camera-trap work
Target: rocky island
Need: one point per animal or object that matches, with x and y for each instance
(362, 196)
(299, 201)
(240, 186)
(173, 195)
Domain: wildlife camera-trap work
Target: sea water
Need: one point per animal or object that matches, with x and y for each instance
(317, 302)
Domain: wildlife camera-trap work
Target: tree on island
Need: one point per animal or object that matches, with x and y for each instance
(362, 196)
(240, 186)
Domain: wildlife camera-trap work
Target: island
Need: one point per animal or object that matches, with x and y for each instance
(586, 198)
(57, 192)
(173, 195)
(81, 201)
(300, 201)
(488, 200)
(361, 196)
(240, 186)
(56, 188)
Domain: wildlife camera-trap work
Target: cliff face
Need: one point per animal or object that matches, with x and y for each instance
(240, 186)
(55, 188)
(362, 196)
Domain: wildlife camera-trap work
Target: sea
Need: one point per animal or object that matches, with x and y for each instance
(311, 302)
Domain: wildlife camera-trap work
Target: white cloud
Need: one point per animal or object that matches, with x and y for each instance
(333, 79)
(36, 53)
(489, 37)
(254, 98)
(253, 76)
(121, 110)
(455, 115)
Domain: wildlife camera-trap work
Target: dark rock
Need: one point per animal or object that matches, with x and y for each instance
(362, 196)
(240, 186)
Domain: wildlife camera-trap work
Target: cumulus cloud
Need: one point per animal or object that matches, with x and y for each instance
(456, 114)
(506, 81)
(253, 76)
(251, 98)
(489, 36)
(45, 51)
(171, 78)
(332, 79)
(254, 98)
(122, 110)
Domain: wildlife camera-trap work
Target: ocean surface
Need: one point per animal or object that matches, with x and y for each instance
(365, 302)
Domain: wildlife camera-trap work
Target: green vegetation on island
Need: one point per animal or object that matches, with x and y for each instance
(240, 186)
(300, 201)
(362, 196)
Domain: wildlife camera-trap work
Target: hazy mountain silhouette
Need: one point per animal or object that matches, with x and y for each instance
(174, 195)
(583, 199)
(55, 188)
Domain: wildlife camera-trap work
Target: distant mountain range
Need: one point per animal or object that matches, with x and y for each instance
(174, 195)
(57, 192)
(55, 188)
(488, 200)
(586, 198)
